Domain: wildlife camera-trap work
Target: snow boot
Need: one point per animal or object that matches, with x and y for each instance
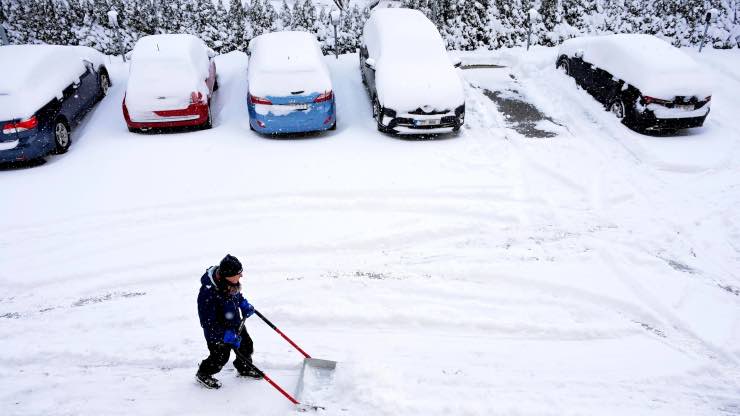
(207, 381)
(251, 373)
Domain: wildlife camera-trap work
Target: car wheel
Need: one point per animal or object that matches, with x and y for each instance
(62, 139)
(104, 84)
(564, 66)
(209, 122)
(133, 130)
(618, 109)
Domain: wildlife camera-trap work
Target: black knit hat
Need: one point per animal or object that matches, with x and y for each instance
(229, 266)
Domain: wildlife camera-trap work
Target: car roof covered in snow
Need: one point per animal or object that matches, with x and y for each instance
(400, 32)
(172, 48)
(282, 62)
(289, 51)
(34, 74)
(654, 66)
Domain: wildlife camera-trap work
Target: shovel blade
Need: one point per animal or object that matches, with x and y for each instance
(320, 364)
(315, 377)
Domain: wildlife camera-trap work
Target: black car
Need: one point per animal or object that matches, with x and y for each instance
(411, 80)
(646, 82)
(45, 91)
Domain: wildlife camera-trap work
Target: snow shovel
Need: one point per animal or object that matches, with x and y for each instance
(316, 371)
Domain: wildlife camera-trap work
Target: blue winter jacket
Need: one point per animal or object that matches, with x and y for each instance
(217, 310)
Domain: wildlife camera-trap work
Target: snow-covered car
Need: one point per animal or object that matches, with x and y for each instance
(289, 86)
(646, 82)
(412, 81)
(171, 82)
(45, 91)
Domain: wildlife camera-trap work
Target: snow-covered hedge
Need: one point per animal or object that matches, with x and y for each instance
(227, 25)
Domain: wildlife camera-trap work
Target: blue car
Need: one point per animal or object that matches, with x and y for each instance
(290, 89)
(45, 91)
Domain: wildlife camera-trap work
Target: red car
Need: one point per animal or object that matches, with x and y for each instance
(171, 82)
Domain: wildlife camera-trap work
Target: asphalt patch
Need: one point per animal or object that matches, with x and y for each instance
(522, 116)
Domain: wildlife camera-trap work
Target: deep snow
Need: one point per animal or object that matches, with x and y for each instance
(594, 272)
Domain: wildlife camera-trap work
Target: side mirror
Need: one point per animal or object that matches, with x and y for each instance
(370, 62)
(712, 16)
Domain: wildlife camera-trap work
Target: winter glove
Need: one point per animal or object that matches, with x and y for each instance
(247, 308)
(231, 338)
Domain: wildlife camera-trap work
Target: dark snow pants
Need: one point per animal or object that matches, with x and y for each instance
(219, 356)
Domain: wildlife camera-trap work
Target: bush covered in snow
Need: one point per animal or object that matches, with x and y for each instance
(227, 25)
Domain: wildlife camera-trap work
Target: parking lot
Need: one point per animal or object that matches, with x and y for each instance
(575, 247)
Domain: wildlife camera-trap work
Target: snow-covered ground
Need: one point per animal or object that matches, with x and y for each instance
(594, 272)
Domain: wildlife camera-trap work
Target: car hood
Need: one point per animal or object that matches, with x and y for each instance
(404, 86)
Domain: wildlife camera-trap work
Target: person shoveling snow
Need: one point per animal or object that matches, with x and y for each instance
(220, 303)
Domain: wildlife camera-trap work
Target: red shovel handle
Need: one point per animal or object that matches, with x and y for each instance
(268, 379)
(267, 321)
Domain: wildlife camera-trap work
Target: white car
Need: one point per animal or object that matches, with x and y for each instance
(171, 83)
(412, 81)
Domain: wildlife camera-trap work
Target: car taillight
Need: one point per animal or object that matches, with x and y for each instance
(324, 97)
(20, 126)
(259, 100)
(196, 97)
(653, 100)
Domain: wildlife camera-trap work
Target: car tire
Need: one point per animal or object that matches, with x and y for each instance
(617, 108)
(333, 126)
(376, 115)
(62, 137)
(251, 128)
(215, 85)
(104, 84)
(133, 130)
(564, 65)
(209, 121)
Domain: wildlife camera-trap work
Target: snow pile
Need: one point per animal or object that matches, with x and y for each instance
(654, 66)
(35, 74)
(412, 67)
(285, 62)
(165, 70)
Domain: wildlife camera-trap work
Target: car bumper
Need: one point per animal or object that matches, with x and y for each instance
(33, 146)
(318, 117)
(193, 115)
(407, 123)
(649, 121)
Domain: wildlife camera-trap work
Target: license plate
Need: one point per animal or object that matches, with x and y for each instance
(432, 122)
(300, 107)
(685, 107)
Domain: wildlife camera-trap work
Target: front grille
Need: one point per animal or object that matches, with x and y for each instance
(420, 111)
